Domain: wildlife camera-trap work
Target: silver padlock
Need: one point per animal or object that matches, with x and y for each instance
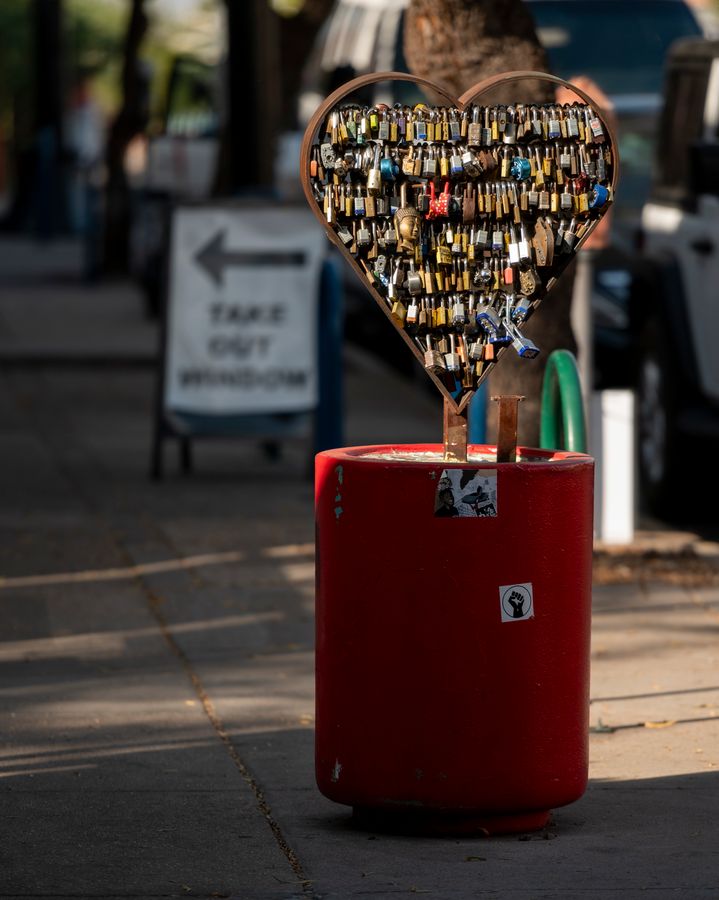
(513, 248)
(510, 127)
(488, 319)
(474, 131)
(364, 237)
(520, 309)
(345, 235)
(414, 283)
(525, 248)
(452, 358)
(433, 360)
(380, 265)
(412, 312)
(570, 235)
(429, 167)
(374, 176)
(476, 351)
(327, 155)
(455, 164)
(459, 314)
(471, 164)
(525, 348)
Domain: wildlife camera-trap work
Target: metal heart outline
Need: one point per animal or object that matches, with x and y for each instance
(469, 96)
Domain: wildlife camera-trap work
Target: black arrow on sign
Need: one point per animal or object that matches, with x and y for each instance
(214, 258)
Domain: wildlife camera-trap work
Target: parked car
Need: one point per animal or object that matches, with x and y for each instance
(674, 307)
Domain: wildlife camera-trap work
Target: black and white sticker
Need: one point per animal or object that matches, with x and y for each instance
(516, 602)
(466, 494)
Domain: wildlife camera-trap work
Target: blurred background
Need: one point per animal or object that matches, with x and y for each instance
(114, 111)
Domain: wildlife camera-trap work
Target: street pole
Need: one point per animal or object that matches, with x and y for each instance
(253, 96)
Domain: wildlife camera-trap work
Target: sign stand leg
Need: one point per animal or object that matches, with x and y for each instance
(186, 465)
(156, 461)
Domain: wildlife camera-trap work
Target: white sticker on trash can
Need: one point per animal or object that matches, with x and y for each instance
(516, 602)
(466, 493)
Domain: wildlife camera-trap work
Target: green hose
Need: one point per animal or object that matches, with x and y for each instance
(562, 426)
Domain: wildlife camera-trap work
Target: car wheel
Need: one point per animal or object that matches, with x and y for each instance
(658, 440)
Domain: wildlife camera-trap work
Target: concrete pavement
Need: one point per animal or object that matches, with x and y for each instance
(156, 685)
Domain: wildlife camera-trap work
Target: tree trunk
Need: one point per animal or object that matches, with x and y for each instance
(49, 211)
(129, 122)
(247, 148)
(457, 43)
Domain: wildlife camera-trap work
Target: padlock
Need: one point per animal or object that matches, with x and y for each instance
(513, 248)
(474, 131)
(433, 360)
(359, 202)
(520, 168)
(599, 197)
(345, 235)
(429, 166)
(412, 312)
(438, 205)
(414, 283)
(456, 169)
(525, 348)
(459, 314)
(364, 238)
(471, 164)
(554, 129)
(398, 313)
(520, 309)
(510, 128)
(525, 250)
(451, 358)
(374, 176)
(327, 155)
(488, 319)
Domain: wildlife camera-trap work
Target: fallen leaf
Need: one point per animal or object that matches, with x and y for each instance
(664, 724)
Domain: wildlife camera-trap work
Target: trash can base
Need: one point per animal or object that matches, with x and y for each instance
(435, 823)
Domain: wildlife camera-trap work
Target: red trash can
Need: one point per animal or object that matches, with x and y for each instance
(453, 621)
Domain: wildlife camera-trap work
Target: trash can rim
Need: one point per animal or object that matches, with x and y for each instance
(375, 454)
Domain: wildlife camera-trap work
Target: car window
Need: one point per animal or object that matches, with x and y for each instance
(681, 124)
(598, 38)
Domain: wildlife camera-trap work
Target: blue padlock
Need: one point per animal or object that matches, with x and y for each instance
(388, 169)
(501, 338)
(600, 195)
(520, 168)
(525, 348)
(520, 309)
(488, 320)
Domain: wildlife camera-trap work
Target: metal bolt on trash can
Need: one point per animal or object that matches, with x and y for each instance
(453, 622)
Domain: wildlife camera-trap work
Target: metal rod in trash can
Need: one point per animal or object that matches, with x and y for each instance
(455, 433)
(507, 433)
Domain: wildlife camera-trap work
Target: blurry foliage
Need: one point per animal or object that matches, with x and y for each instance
(94, 32)
(93, 38)
(15, 51)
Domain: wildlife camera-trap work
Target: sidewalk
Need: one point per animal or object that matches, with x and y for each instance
(157, 678)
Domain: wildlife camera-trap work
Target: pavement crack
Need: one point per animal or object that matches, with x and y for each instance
(221, 732)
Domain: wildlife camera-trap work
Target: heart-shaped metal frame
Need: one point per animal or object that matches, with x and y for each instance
(468, 97)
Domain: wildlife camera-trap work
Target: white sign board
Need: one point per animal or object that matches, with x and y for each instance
(241, 331)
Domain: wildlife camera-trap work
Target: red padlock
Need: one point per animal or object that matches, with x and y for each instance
(438, 206)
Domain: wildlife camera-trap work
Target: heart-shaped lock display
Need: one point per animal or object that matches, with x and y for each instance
(460, 217)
